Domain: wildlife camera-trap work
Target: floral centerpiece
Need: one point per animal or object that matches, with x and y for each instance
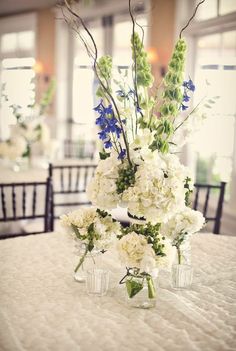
(139, 126)
(28, 130)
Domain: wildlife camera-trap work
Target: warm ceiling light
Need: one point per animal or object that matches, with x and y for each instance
(152, 55)
(38, 67)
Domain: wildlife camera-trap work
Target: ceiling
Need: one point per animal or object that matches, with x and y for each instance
(10, 7)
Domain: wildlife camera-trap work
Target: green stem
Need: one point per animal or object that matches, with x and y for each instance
(179, 255)
(81, 259)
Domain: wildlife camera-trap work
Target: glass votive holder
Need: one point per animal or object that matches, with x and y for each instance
(97, 282)
(181, 276)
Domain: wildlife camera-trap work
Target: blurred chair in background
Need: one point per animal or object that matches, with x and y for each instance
(79, 149)
(69, 186)
(23, 201)
(202, 195)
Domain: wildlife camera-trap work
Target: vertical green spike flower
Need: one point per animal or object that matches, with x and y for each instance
(104, 66)
(172, 95)
(143, 67)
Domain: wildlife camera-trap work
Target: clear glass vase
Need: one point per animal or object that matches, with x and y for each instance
(90, 261)
(181, 276)
(141, 290)
(183, 253)
(97, 282)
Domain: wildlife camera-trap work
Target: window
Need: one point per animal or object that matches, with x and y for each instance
(84, 85)
(216, 75)
(215, 8)
(17, 60)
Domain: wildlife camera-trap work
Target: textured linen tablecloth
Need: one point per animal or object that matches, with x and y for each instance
(43, 308)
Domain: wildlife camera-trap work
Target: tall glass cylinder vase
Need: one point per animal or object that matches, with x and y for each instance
(182, 271)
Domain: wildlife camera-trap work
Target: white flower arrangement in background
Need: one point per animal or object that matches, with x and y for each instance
(31, 128)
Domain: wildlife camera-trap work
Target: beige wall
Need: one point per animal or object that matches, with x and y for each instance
(162, 26)
(45, 49)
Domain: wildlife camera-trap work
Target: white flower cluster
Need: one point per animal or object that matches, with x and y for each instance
(14, 148)
(187, 221)
(158, 191)
(105, 229)
(101, 190)
(134, 251)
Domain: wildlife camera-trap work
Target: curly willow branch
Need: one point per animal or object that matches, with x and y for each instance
(191, 18)
(96, 68)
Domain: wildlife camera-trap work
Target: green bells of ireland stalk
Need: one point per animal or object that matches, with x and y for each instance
(105, 73)
(143, 67)
(172, 98)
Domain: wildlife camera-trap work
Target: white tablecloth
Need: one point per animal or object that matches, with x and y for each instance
(43, 308)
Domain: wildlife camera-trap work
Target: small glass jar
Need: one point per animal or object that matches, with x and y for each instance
(91, 260)
(141, 290)
(181, 276)
(97, 282)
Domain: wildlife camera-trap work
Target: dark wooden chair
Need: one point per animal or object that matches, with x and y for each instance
(69, 185)
(21, 201)
(207, 190)
(79, 149)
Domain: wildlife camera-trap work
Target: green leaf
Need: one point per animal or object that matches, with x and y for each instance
(76, 231)
(133, 287)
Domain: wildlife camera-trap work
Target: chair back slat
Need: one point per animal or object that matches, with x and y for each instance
(220, 201)
(4, 212)
(206, 202)
(34, 200)
(77, 179)
(62, 179)
(23, 199)
(69, 179)
(13, 201)
(195, 206)
(85, 179)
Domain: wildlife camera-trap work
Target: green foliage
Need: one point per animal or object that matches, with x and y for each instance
(143, 67)
(104, 67)
(172, 95)
(188, 192)
(126, 178)
(47, 97)
(151, 232)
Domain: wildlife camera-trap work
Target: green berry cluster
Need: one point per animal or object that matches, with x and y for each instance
(144, 75)
(104, 67)
(126, 178)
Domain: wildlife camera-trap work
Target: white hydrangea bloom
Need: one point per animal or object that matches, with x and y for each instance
(134, 251)
(106, 230)
(101, 190)
(187, 221)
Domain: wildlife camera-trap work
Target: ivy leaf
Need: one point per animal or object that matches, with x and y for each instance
(133, 287)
